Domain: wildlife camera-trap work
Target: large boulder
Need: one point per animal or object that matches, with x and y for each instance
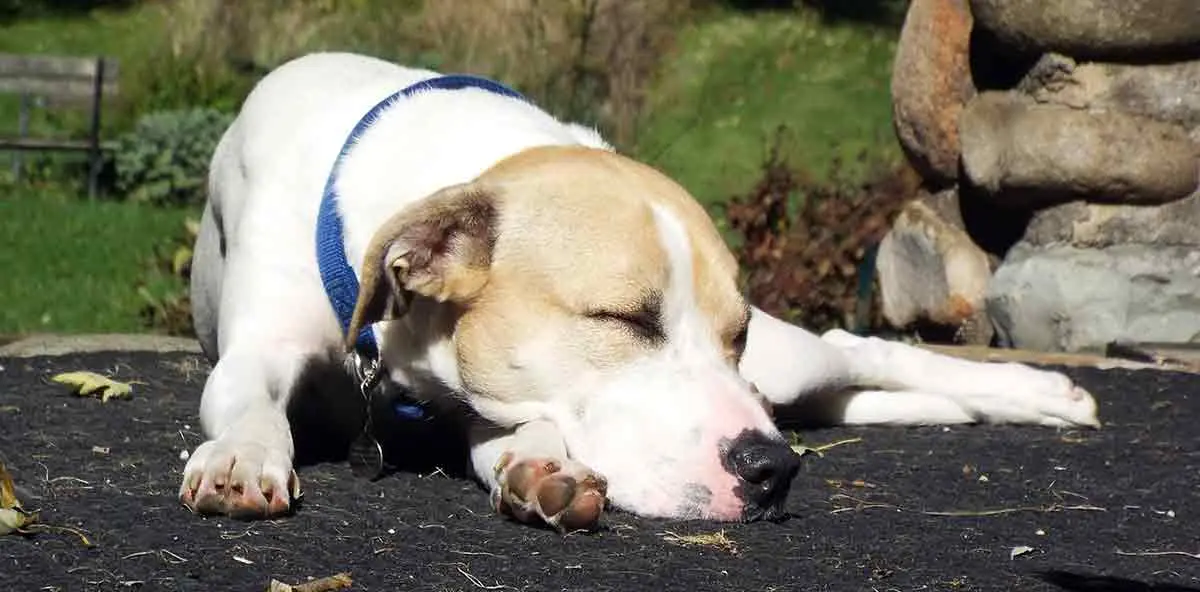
(1026, 154)
(930, 272)
(1084, 275)
(1087, 225)
(1115, 29)
(1065, 298)
(931, 80)
(1163, 92)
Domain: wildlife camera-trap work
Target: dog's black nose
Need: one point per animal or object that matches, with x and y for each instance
(765, 469)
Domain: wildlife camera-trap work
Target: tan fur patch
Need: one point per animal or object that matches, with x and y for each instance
(575, 237)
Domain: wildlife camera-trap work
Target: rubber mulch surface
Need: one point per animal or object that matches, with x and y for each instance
(1113, 509)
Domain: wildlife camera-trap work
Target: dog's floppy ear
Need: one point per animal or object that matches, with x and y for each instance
(440, 247)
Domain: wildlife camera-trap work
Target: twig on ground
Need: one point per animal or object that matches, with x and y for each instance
(41, 526)
(1157, 553)
(171, 557)
(477, 582)
(861, 504)
(68, 478)
(801, 449)
(472, 553)
(229, 535)
(163, 555)
(434, 473)
(1001, 511)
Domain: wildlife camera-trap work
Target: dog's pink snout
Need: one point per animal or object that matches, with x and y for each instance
(765, 468)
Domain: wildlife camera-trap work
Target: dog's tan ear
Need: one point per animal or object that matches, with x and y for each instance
(440, 248)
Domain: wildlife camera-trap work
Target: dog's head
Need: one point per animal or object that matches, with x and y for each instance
(593, 291)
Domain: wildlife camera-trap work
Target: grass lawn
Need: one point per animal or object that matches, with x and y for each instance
(732, 80)
(73, 266)
(736, 78)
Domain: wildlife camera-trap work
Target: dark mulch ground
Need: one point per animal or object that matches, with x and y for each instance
(1084, 501)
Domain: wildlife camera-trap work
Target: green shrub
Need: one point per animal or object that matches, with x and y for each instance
(166, 305)
(806, 244)
(164, 160)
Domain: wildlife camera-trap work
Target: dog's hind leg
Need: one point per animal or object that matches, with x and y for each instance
(531, 478)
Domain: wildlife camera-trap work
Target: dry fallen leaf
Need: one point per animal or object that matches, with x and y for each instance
(1020, 550)
(89, 383)
(717, 540)
(8, 492)
(334, 582)
(13, 518)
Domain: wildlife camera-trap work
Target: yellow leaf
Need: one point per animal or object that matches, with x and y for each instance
(182, 256)
(8, 493)
(334, 582)
(12, 517)
(88, 383)
(11, 520)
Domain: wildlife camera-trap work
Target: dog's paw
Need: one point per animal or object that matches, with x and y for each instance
(1064, 403)
(243, 480)
(1024, 394)
(562, 494)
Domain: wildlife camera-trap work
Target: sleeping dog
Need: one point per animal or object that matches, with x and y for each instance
(580, 310)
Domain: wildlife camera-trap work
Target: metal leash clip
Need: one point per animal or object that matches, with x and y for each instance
(366, 454)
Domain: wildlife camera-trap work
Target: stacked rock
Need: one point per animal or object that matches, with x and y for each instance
(1059, 144)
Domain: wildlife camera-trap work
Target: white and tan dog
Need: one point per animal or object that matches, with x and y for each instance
(581, 304)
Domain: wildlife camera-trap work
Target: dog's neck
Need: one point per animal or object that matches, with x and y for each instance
(417, 351)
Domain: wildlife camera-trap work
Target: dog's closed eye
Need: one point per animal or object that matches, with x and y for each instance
(645, 322)
(739, 341)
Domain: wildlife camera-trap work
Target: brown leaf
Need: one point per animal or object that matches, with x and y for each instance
(8, 492)
(13, 518)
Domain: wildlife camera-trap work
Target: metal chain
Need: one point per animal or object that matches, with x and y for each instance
(366, 454)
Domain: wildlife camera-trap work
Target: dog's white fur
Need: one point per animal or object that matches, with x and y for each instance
(261, 312)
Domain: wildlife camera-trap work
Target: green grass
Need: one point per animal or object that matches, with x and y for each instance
(72, 265)
(733, 79)
(736, 78)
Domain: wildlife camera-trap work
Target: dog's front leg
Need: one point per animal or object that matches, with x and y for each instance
(245, 468)
(531, 478)
(788, 364)
(839, 377)
(987, 391)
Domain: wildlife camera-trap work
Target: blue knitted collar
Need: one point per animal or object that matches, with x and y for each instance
(341, 283)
